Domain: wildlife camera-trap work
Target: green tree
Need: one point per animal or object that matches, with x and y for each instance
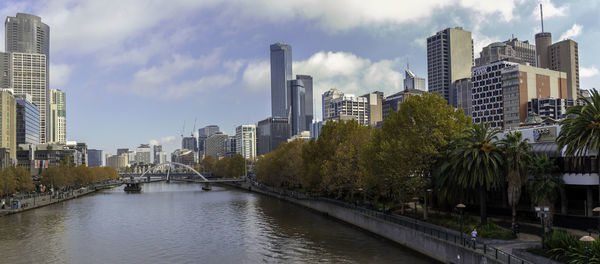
(476, 163)
(208, 163)
(24, 182)
(516, 157)
(235, 166)
(220, 169)
(544, 185)
(8, 182)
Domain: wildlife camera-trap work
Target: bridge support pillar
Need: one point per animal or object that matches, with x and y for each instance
(206, 186)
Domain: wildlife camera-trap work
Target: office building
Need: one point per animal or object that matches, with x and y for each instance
(5, 71)
(411, 81)
(117, 162)
(523, 50)
(231, 146)
(554, 108)
(316, 128)
(297, 112)
(245, 138)
(348, 107)
(203, 134)
(281, 73)
(121, 151)
(270, 133)
(307, 80)
(94, 157)
(464, 95)
(375, 101)
(8, 122)
(190, 143)
(392, 103)
(157, 149)
(215, 145)
(142, 154)
(183, 156)
(326, 101)
(26, 33)
(28, 120)
(449, 58)
(57, 119)
(512, 50)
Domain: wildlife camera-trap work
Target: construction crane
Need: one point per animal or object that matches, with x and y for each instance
(194, 129)
(182, 130)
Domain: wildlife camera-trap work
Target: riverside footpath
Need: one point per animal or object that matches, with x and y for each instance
(20, 203)
(442, 244)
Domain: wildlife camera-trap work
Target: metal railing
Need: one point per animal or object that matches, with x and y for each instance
(431, 230)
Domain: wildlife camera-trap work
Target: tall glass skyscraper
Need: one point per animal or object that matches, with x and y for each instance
(297, 107)
(307, 80)
(28, 120)
(281, 73)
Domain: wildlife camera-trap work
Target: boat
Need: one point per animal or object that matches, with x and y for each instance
(133, 187)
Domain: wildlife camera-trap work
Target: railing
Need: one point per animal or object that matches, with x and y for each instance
(437, 232)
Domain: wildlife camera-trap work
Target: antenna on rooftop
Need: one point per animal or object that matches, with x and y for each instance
(542, 16)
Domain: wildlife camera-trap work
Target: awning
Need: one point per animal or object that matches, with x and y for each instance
(548, 148)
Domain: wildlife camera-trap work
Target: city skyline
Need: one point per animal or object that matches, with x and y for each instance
(135, 80)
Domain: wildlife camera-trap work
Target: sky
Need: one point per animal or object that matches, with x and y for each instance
(142, 71)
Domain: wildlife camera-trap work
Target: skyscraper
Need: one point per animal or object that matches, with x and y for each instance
(28, 120)
(57, 119)
(449, 58)
(94, 157)
(326, 99)
(281, 73)
(270, 133)
(375, 101)
(8, 122)
(411, 81)
(307, 80)
(245, 141)
(28, 39)
(157, 149)
(297, 112)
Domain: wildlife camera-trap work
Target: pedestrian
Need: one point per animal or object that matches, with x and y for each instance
(474, 236)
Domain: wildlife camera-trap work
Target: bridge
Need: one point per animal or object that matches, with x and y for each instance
(188, 174)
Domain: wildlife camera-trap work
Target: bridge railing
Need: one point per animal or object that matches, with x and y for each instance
(437, 232)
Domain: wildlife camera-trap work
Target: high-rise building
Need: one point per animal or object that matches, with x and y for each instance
(270, 133)
(281, 73)
(392, 103)
(523, 50)
(208, 130)
(8, 122)
(297, 112)
(348, 107)
(316, 128)
(116, 161)
(122, 151)
(28, 39)
(190, 143)
(411, 81)
(29, 77)
(245, 139)
(231, 146)
(555, 108)
(326, 101)
(307, 80)
(57, 119)
(503, 51)
(142, 154)
(215, 145)
(157, 149)
(375, 101)
(449, 58)
(94, 157)
(5, 70)
(464, 95)
(28, 120)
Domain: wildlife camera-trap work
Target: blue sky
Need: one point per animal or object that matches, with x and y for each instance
(136, 70)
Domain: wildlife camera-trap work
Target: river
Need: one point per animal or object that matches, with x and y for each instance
(180, 223)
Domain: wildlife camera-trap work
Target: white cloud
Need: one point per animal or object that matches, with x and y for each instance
(257, 76)
(550, 10)
(573, 32)
(162, 141)
(480, 41)
(587, 72)
(59, 75)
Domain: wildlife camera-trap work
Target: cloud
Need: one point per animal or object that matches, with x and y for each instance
(59, 75)
(162, 141)
(573, 32)
(257, 76)
(587, 72)
(550, 10)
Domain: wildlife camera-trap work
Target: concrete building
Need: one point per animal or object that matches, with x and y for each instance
(94, 157)
(156, 150)
(326, 99)
(28, 120)
(281, 73)
(183, 156)
(307, 80)
(392, 102)
(464, 95)
(346, 107)
(142, 154)
(550, 107)
(231, 146)
(131, 157)
(502, 89)
(411, 81)
(305, 135)
(203, 134)
(190, 143)
(57, 119)
(449, 58)
(524, 50)
(270, 133)
(562, 56)
(375, 101)
(5, 70)
(245, 137)
(8, 122)
(26, 33)
(29, 77)
(512, 50)
(215, 145)
(297, 112)
(117, 162)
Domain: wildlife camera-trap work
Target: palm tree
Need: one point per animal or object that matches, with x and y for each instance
(543, 186)
(476, 162)
(516, 157)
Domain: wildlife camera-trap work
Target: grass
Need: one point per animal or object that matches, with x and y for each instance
(490, 230)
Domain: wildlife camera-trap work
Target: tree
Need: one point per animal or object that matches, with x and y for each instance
(235, 166)
(24, 182)
(208, 163)
(544, 184)
(516, 157)
(476, 163)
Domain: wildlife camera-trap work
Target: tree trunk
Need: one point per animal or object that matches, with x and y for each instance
(482, 205)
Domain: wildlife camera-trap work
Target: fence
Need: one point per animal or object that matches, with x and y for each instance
(453, 237)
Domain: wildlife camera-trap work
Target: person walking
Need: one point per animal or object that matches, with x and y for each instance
(474, 237)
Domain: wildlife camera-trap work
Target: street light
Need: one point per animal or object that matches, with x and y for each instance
(542, 213)
(415, 200)
(597, 209)
(461, 209)
(587, 248)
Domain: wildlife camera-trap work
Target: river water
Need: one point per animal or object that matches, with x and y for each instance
(180, 223)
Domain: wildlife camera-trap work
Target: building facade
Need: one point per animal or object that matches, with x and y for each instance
(375, 101)
(270, 133)
(245, 138)
(512, 50)
(449, 58)
(215, 145)
(555, 108)
(326, 101)
(142, 154)
(57, 118)
(464, 95)
(29, 77)
(411, 81)
(392, 103)
(348, 107)
(94, 157)
(28, 120)
(562, 56)
(307, 81)
(281, 73)
(297, 114)
(8, 122)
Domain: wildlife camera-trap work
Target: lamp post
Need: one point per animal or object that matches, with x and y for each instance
(597, 209)
(415, 200)
(461, 209)
(587, 248)
(542, 213)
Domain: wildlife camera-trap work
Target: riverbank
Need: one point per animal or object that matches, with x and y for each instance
(439, 243)
(24, 203)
